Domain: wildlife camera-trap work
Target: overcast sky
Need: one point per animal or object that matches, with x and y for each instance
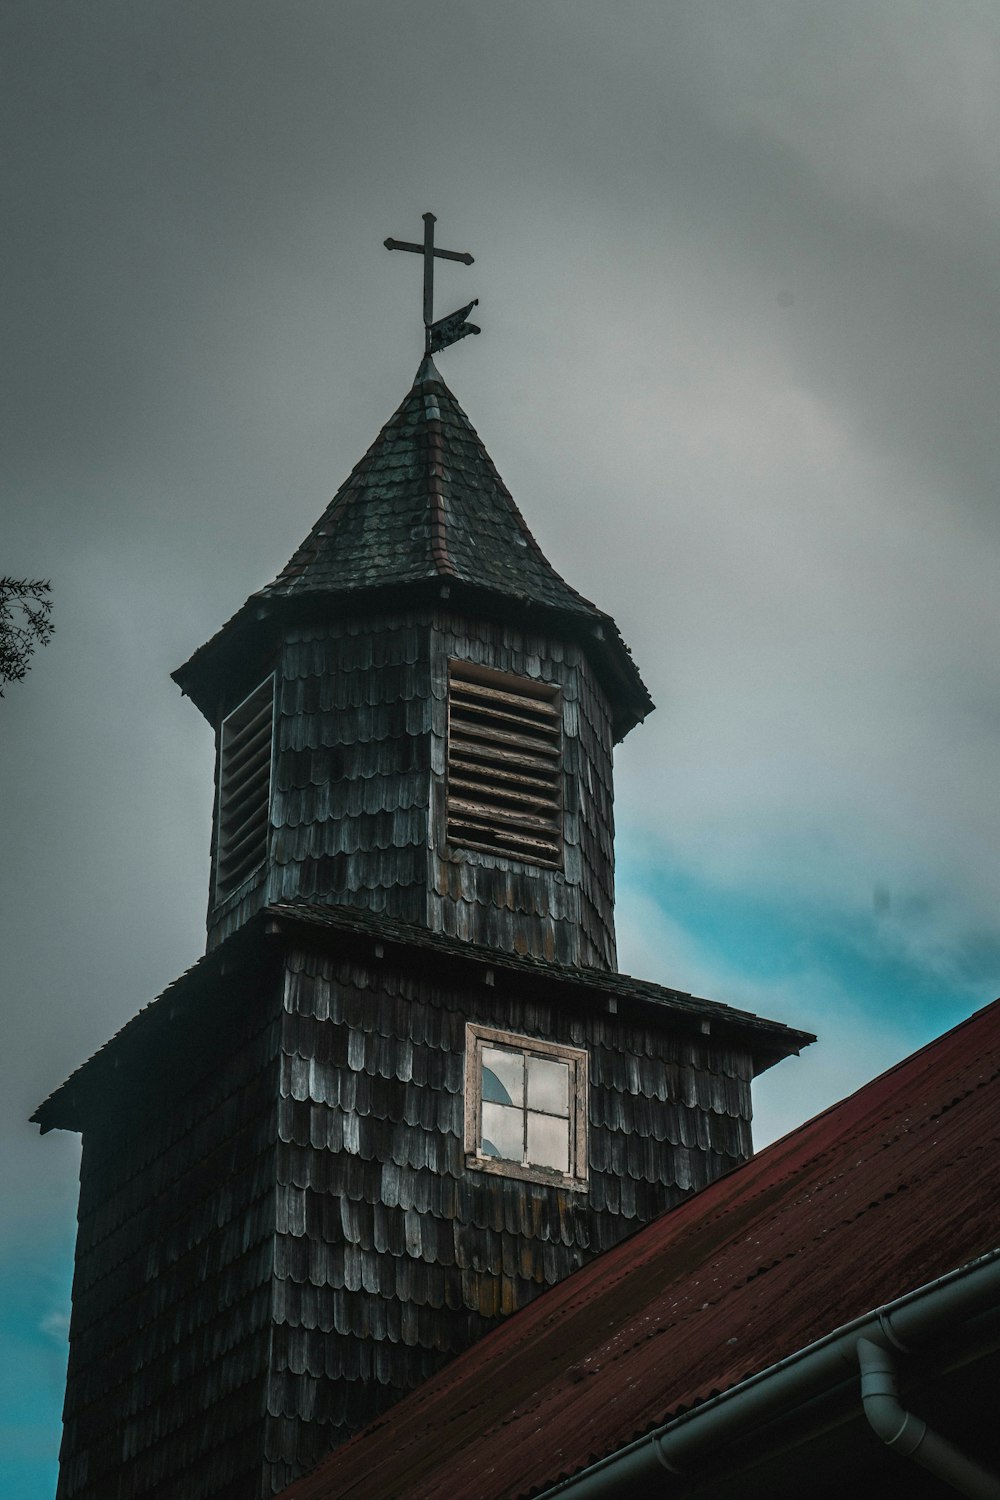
(738, 279)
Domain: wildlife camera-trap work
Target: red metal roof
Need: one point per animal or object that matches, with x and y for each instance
(891, 1188)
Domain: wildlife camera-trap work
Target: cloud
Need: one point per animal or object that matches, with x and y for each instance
(855, 1042)
(55, 1325)
(739, 368)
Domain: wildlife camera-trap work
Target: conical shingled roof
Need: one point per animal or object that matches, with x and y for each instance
(423, 512)
(426, 502)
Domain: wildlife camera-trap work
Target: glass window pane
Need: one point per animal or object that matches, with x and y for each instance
(508, 1069)
(493, 1089)
(503, 1132)
(548, 1142)
(548, 1085)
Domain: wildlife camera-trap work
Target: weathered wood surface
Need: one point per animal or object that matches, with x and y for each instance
(489, 805)
(359, 791)
(172, 1294)
(424, 510)
(279, 1233)
(391, 1254)
(564, 915)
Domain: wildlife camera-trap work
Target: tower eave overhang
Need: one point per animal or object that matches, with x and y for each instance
(257, 626)
(209, 995)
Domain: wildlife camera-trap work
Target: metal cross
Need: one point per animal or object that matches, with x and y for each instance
(429, 250)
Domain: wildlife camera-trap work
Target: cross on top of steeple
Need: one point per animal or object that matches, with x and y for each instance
(450, 329)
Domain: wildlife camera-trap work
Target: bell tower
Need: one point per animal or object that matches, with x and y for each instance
(417, 716)
(406, 1088)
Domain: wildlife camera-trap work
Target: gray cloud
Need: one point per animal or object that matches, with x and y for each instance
(737, 275)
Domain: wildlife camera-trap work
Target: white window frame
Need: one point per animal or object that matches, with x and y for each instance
(476, 1038)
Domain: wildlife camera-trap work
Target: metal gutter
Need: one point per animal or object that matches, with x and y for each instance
(907, 1324)
(909, 1435)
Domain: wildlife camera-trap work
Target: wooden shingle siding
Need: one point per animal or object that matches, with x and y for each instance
(351, 775)
(391, 1255)
(350, 806)
(279, 1233)
(173, 1287)
(359, 799)
(564, 915)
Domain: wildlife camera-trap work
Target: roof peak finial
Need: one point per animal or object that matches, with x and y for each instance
(450, 329)
(428, 371)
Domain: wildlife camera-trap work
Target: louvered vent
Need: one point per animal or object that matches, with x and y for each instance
(504, 764)
(244, 789)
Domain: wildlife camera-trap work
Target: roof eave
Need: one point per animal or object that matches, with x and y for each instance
(768, 1041)
(70, 1106)
(254, 626)
(963, 1302)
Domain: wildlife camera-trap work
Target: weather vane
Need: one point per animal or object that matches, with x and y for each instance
(454, 327)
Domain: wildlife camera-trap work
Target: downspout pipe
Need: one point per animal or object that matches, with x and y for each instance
(906, 1324)
(909, 1435)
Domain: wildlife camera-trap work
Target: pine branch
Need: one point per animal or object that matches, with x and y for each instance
(25, 622)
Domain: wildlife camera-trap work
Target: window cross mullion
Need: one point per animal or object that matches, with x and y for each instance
(526, 1111)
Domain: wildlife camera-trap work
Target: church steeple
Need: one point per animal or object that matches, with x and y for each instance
(441, 705)
(405, 1091)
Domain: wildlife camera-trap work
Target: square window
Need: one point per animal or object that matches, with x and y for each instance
(525, 1107)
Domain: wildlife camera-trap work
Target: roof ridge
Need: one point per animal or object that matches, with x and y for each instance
(435, 480)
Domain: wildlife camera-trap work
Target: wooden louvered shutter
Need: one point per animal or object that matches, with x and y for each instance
(504, 764)
(244, 789)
